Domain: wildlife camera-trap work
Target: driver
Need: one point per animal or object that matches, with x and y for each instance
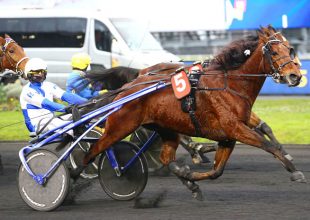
(37, 98)
(77, 82)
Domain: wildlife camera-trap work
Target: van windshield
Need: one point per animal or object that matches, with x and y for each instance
(45, 32)
(136, 34)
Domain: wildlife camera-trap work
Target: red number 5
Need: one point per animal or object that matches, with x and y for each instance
(180, 84)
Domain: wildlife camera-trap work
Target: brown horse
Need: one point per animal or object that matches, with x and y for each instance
(254, 122)
(223, 114)
(12, 56)
(116, 77)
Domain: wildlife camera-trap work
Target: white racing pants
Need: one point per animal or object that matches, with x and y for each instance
(54, 123)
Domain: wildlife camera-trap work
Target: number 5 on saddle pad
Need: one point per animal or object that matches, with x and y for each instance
(180, 84)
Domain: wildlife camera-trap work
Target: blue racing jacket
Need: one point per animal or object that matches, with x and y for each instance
(78, 84)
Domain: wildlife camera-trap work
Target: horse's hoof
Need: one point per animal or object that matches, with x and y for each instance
(298, 176)
(289, 157)
(197, 194)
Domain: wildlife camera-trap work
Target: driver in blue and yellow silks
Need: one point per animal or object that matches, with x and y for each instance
(77, 81)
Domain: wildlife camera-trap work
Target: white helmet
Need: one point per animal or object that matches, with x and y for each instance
(34, 67)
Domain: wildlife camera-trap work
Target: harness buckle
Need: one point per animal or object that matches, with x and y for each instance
(276, 77)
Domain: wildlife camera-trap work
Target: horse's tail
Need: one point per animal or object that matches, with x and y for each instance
(99, 101)
(120, 72)
(113, 78)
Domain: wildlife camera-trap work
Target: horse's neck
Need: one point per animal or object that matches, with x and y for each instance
(250, 86)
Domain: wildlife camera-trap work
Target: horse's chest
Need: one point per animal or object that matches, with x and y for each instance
(218, 116)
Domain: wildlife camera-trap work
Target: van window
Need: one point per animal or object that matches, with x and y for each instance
(136, 34)
(45, 32)
(103, 37)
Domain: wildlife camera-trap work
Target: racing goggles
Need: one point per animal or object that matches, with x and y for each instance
(37, 72)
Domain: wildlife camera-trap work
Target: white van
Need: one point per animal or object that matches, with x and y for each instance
(55, 35)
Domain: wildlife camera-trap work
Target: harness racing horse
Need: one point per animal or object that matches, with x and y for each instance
(254, 122)
(223, 114)
(116, 77)
(12, 56)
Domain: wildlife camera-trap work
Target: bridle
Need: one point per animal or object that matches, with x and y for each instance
(268, 53)
(4, 52)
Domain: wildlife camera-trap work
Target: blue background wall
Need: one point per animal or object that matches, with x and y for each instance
(264, 12)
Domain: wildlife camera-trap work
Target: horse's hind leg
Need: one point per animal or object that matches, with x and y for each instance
(222, 155)
(118, 126)
(167, 157)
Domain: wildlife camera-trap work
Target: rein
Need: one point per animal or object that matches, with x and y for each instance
(154, 72)
(38, 116)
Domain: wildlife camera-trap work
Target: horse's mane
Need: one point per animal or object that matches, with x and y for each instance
(233, 56)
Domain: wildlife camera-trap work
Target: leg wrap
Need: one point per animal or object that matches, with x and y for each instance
(191, 185)
(182, 172)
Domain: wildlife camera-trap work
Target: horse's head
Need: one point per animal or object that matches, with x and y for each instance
(284, 66)
(12, 56)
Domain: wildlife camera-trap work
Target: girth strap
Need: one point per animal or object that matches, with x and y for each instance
(195, 123)
(188, 103)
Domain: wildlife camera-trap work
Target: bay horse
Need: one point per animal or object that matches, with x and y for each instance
(12, 56)
(116, 77)
(223, 114)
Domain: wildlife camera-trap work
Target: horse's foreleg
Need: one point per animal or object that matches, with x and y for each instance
(264, 129)
(247, 136)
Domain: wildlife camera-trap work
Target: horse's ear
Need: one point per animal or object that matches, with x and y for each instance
(6, 36)
(260, 32)
(271, 28)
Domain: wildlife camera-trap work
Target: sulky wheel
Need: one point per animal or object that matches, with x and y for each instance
(139, 137)
(132, 181)
(77, 155)
(52, 193)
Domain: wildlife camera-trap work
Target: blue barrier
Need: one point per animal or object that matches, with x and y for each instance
(291, 14)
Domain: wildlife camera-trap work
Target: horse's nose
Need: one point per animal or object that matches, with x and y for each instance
(293, 79)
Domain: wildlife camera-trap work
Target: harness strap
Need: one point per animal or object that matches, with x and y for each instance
(188, 103)
(196, 123)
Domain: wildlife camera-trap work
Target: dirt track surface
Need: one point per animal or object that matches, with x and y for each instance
(253, 186)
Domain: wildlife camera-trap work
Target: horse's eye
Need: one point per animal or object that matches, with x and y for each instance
(11, 51)
(292, 53)
(274, 53)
